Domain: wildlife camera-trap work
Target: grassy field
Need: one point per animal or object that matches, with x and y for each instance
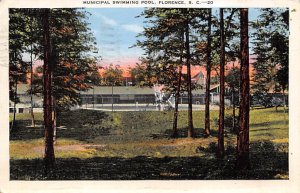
(136, 145)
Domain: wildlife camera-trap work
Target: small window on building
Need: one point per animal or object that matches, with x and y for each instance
(11, 110)
(21, 110)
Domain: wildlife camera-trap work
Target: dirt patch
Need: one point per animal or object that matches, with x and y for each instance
(183, 142)
(74, 147)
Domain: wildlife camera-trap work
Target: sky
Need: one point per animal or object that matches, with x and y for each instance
(116, 29)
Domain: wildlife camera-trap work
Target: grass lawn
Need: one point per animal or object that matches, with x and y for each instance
(136, 145)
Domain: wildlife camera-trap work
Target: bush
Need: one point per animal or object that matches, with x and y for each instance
(260, 98)
(212, 148)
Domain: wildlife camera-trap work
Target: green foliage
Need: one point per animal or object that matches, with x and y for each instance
(232, 79)
(113, 76)
(164, 44)
(271, 50)
(261, 98)
(139, 75)
(74, 69)
(18, 42)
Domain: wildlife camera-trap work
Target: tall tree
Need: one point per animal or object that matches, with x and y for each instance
(208, 73)
(177, 95)
(49, 157)
(31, 86)
(178, 90)
(222, 88)
(73, 67)
(243, 134)
(31, 51)
(189, 82)
(211, 28)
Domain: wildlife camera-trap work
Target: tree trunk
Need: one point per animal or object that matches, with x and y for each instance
(243, 135)
(49, 157)
(220, 152)
(208, 71)
(189, 81)
(31, 78)
(177, 95)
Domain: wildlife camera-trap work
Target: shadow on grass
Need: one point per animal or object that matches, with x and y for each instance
(78, 118)
(183, 133)
(279, 110)
(264, 124)
(82, 125)
(21, 131)
(267, 162)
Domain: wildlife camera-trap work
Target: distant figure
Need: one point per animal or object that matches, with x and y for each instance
(136, 105)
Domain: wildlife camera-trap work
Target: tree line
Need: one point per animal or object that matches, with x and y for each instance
(177, 38)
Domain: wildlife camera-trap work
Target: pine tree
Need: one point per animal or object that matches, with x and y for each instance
(208, 74)
(222, 88)
(166, 53)
(49, 156)
(71, 43)
(243, 134)
(212, 58)
(189, 82)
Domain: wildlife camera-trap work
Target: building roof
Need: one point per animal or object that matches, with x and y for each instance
(107, 90)
(118, 90)
(129, 90)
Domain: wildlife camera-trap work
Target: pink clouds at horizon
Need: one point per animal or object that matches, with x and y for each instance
(123, 62)
(127, 63)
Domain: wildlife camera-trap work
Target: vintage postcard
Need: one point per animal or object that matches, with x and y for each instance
(149, 96)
